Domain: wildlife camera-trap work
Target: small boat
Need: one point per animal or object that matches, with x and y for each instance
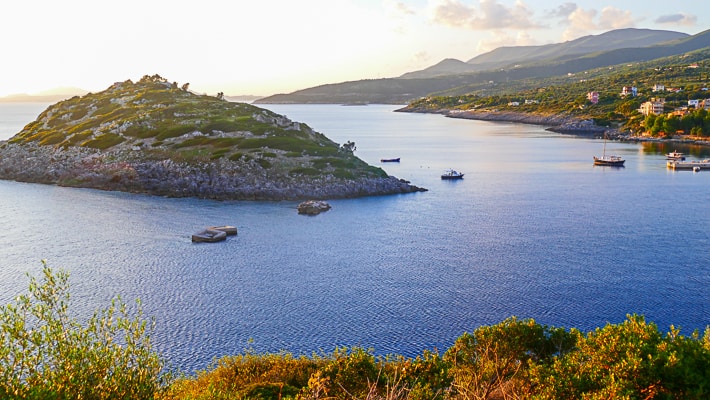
(452, 174)
(390, 159)
(675, 155)
(608, 161)
(228, 229)
(209, 236)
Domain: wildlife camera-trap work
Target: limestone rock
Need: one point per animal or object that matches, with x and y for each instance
(313, 207)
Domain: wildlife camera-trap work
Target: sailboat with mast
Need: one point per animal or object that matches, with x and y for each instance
(608, 160)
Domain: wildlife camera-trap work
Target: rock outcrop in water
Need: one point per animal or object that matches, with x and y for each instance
(153, 137)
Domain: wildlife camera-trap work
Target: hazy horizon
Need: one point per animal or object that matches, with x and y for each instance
(277, 46)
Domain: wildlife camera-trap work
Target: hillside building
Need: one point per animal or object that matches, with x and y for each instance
(629, 90)
(655, 106)
(593, 97)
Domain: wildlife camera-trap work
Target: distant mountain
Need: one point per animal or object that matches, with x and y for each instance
(506, 56)
(505, 64)
(50, 96)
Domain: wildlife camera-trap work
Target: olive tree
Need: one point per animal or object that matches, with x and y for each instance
(47, 354)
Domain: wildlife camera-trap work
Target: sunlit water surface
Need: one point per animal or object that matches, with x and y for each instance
(533, 230)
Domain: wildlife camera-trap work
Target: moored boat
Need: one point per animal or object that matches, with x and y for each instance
(390, 159)
(675, 155)
(452, 174)
(609, 161)
(209, 236)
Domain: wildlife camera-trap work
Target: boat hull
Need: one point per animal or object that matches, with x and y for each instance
(389, 160)
(606, 162)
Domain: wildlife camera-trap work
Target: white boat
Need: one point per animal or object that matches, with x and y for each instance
(675, 155)
(452, 174)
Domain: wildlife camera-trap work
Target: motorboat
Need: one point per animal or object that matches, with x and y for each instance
(675, 155)
(452, 174)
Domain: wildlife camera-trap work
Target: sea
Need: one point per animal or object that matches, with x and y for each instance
(533, 230)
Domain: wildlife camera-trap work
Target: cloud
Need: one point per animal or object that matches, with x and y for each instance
(503, 38)
(677, 19)
(586, 22)
(398, 8)
(563, 11)
(490, 14)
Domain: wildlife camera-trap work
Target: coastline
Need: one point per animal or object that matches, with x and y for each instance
(130, 171)
(556, 123)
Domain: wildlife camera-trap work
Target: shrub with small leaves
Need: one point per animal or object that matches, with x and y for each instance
(47, 354)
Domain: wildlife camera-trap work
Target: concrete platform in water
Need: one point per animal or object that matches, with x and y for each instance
(688, 165)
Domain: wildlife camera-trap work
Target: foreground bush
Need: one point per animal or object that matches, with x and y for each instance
(515, 359)
(47, 354)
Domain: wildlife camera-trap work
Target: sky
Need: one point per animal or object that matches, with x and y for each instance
(264, 47)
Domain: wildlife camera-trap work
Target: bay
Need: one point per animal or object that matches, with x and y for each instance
(533, 230)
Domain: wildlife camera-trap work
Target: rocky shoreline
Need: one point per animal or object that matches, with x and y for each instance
(557, 123)
(131, 171)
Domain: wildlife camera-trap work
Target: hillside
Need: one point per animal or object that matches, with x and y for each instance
(404, 90)
(155, 137)
(504, 57)
(561, 102)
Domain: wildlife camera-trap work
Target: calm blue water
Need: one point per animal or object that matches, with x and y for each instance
(533, 230)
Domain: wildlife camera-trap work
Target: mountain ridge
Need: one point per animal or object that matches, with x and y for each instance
(409, 87)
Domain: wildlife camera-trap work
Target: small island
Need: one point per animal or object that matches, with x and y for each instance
(159, 138)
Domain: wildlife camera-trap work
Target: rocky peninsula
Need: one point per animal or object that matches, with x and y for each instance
(157, 138)
(554, 122)
(559, 123)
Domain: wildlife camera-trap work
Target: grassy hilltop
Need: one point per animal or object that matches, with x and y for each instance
(131, 136)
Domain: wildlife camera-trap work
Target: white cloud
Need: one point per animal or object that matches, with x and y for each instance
(503, 38)
(585, 22)
(680, 19)
(397, 8)
(614, 18)
(563, 11)
(490, 14)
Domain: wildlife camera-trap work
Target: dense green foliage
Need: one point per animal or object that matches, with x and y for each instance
(688, 76)
(157, 119)
(47, 354)
(515, 359)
